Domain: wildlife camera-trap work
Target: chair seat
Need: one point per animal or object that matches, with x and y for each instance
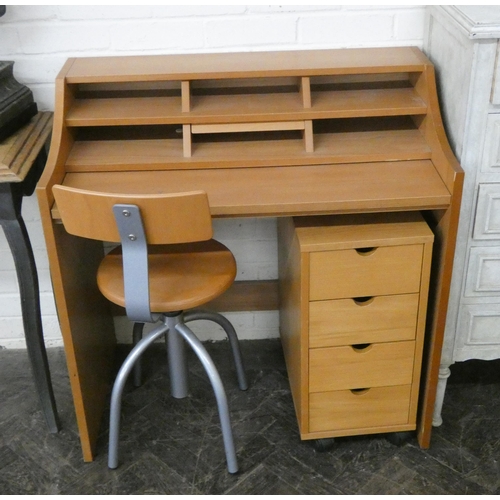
(181, 276)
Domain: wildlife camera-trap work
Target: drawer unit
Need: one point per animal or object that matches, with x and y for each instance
(353, 298)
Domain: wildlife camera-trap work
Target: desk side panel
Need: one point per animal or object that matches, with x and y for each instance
(444, 223)
(88, 331)
(445, 226)
(432, 128)
(293, 285)
(86, 324)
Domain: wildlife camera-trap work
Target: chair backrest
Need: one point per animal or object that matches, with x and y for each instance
(167, 218)
(135, 221)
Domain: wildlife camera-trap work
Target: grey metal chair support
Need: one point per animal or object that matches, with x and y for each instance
(175, 327)
(194, 315)
(135, 271)
(199, 314)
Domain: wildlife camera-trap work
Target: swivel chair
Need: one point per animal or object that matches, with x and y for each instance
(167, 263)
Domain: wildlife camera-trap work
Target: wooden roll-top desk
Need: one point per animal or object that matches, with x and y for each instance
(267, 134)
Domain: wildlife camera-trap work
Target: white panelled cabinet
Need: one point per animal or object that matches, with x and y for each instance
(463, 43)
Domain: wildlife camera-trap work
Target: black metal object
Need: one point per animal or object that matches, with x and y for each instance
(17, 106)
(11, 196)
(3, 8)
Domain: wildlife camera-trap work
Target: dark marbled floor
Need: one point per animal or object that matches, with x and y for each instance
(174, 447)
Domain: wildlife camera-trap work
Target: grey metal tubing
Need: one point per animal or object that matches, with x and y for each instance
(197, 314)
(116, 396)
(177, 362)
(136, 337)
(220, 394)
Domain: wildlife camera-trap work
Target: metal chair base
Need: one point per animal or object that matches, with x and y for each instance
(194, 315)
(178, 332)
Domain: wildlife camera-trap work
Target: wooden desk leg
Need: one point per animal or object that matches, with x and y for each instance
(445, 226)
(20, 246)
(87, 329)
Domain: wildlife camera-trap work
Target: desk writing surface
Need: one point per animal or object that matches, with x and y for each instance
(277, 191)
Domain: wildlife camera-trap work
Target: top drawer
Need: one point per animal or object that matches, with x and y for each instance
(365, 272)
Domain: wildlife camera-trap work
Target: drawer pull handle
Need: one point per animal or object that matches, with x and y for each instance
(365, 251)
(363, 301)
(360, 392)
(361, 347)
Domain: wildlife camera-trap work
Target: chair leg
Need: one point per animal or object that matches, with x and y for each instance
(136, 337)
(196, 314)
(220, 394)
(119, 385)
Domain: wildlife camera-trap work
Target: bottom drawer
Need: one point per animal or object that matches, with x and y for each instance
(375, 407)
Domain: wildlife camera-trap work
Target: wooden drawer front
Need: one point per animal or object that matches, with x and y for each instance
(347, 321)
(379, 406)
(491, 152)
(347, 367)
(479, 332)
(351, 273)
(483, 272)
(487, 222)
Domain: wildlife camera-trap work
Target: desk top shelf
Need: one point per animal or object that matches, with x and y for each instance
(317, 111)
(271, 106)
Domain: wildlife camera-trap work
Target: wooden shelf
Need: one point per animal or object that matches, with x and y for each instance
(124, 111)
(252, 64)
(392, 145)
(273, 107)
(369, 102)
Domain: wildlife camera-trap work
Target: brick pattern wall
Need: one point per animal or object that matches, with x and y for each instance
(39, 39)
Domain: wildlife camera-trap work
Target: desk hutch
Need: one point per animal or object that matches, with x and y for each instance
(271, 134)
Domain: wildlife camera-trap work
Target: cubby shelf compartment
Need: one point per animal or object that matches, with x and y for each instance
(124, 111)
(240, 108)
(392, 145)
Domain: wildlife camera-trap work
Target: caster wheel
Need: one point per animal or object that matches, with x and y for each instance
(399, 438)
(322, 445)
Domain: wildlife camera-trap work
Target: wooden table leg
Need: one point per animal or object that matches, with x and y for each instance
(20, 246)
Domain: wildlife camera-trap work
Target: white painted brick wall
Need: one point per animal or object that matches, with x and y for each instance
(39, 39)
